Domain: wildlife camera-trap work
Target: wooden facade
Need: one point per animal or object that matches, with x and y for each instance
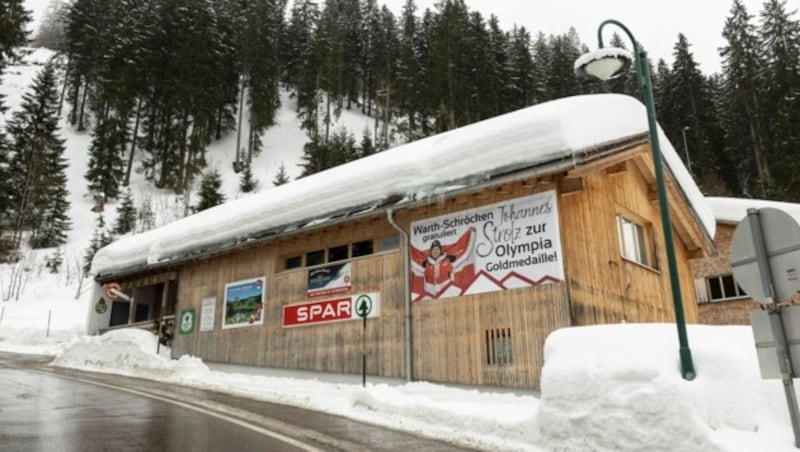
(494, 338)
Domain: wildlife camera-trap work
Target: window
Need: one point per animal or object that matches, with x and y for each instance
(718, 288)
(341, 252)
(499, 347)
(363, 248)
(338, 253)
(315, 258)
(635, 242)
(293, 262)
(389, 243)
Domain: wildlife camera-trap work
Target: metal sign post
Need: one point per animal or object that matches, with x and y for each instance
(766, 245)
(363, 308)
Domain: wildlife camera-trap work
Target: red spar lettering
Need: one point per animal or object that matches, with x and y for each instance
(332, 310)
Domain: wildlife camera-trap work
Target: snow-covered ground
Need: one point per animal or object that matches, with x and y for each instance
(605, 388)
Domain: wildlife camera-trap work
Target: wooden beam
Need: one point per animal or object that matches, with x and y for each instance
(570, 185)
(619, 168)
(610, 161)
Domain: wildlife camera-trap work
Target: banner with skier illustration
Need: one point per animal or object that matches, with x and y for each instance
(510, 244)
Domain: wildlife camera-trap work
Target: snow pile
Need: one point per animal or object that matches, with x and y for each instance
(604, 388)
(127, 352)
(619, 387)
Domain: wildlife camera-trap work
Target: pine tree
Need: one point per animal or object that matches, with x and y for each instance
(126, 215)
(210, 194)
(247, 182)
(779, 37)
(521, 84)
(13, 18)
(282, 177)
(689, 110)
(743, 112)
(6, 248)
(410, 72)
(106, 165)
(367, 147)
(55, 261)
(37, 168)
(100, 238)
(561, 80)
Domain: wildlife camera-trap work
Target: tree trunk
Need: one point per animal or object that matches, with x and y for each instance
(133, 143)
(81, 126)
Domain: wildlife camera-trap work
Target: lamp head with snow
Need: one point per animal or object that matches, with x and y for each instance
(604, 63)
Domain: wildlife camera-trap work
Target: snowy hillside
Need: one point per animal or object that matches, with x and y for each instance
(282, 144)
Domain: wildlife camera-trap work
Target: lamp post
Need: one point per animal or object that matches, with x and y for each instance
(608, 63)
(686, 149)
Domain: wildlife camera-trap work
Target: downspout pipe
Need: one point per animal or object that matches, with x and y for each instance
(406, 293)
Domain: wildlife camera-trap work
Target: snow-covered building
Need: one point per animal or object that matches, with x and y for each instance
(462, 251)
(721, 300)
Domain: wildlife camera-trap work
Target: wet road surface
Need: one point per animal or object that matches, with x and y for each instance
(47, 409)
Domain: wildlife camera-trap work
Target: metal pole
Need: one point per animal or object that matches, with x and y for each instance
(778, 332)
(785, 363)
(645, 83)
(49, 312)
(364, 354)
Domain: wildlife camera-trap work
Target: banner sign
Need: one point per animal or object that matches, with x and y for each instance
(207, 313)
(244, 303)
(351, 307)
(329, 280)
(507, 245)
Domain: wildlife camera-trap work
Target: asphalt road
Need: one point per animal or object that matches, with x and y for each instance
(48, 409)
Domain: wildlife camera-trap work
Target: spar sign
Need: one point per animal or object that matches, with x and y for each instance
(340, 309)
(507, 245)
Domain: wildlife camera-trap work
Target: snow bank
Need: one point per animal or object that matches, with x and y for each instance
(620, 387)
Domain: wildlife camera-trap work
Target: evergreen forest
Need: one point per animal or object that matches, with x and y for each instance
(161, 79)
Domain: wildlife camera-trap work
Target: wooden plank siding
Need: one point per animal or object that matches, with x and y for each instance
(450, 336)
(603, 286)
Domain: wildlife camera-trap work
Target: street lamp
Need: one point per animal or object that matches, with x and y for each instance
(686, 149)
(608, 63)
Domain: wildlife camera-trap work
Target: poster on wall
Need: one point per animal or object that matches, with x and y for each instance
(208, 309)
(507, 245)
(244, 303)
(329, 280)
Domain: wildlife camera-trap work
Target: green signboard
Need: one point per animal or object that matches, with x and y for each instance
(186, 322)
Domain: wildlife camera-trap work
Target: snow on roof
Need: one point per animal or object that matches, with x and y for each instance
(534, 136)
(733, 210)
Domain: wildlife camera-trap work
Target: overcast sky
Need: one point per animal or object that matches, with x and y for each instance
(654, 24)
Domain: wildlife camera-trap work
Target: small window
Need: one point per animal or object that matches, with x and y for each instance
(338, 253)
(363, 248)
(723, 287)
(389, 243)
(293, 262)
(635, 242)
(315, 258)
(499, 347)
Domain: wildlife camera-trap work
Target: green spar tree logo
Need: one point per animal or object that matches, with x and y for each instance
(363, 306)
(187, 322)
